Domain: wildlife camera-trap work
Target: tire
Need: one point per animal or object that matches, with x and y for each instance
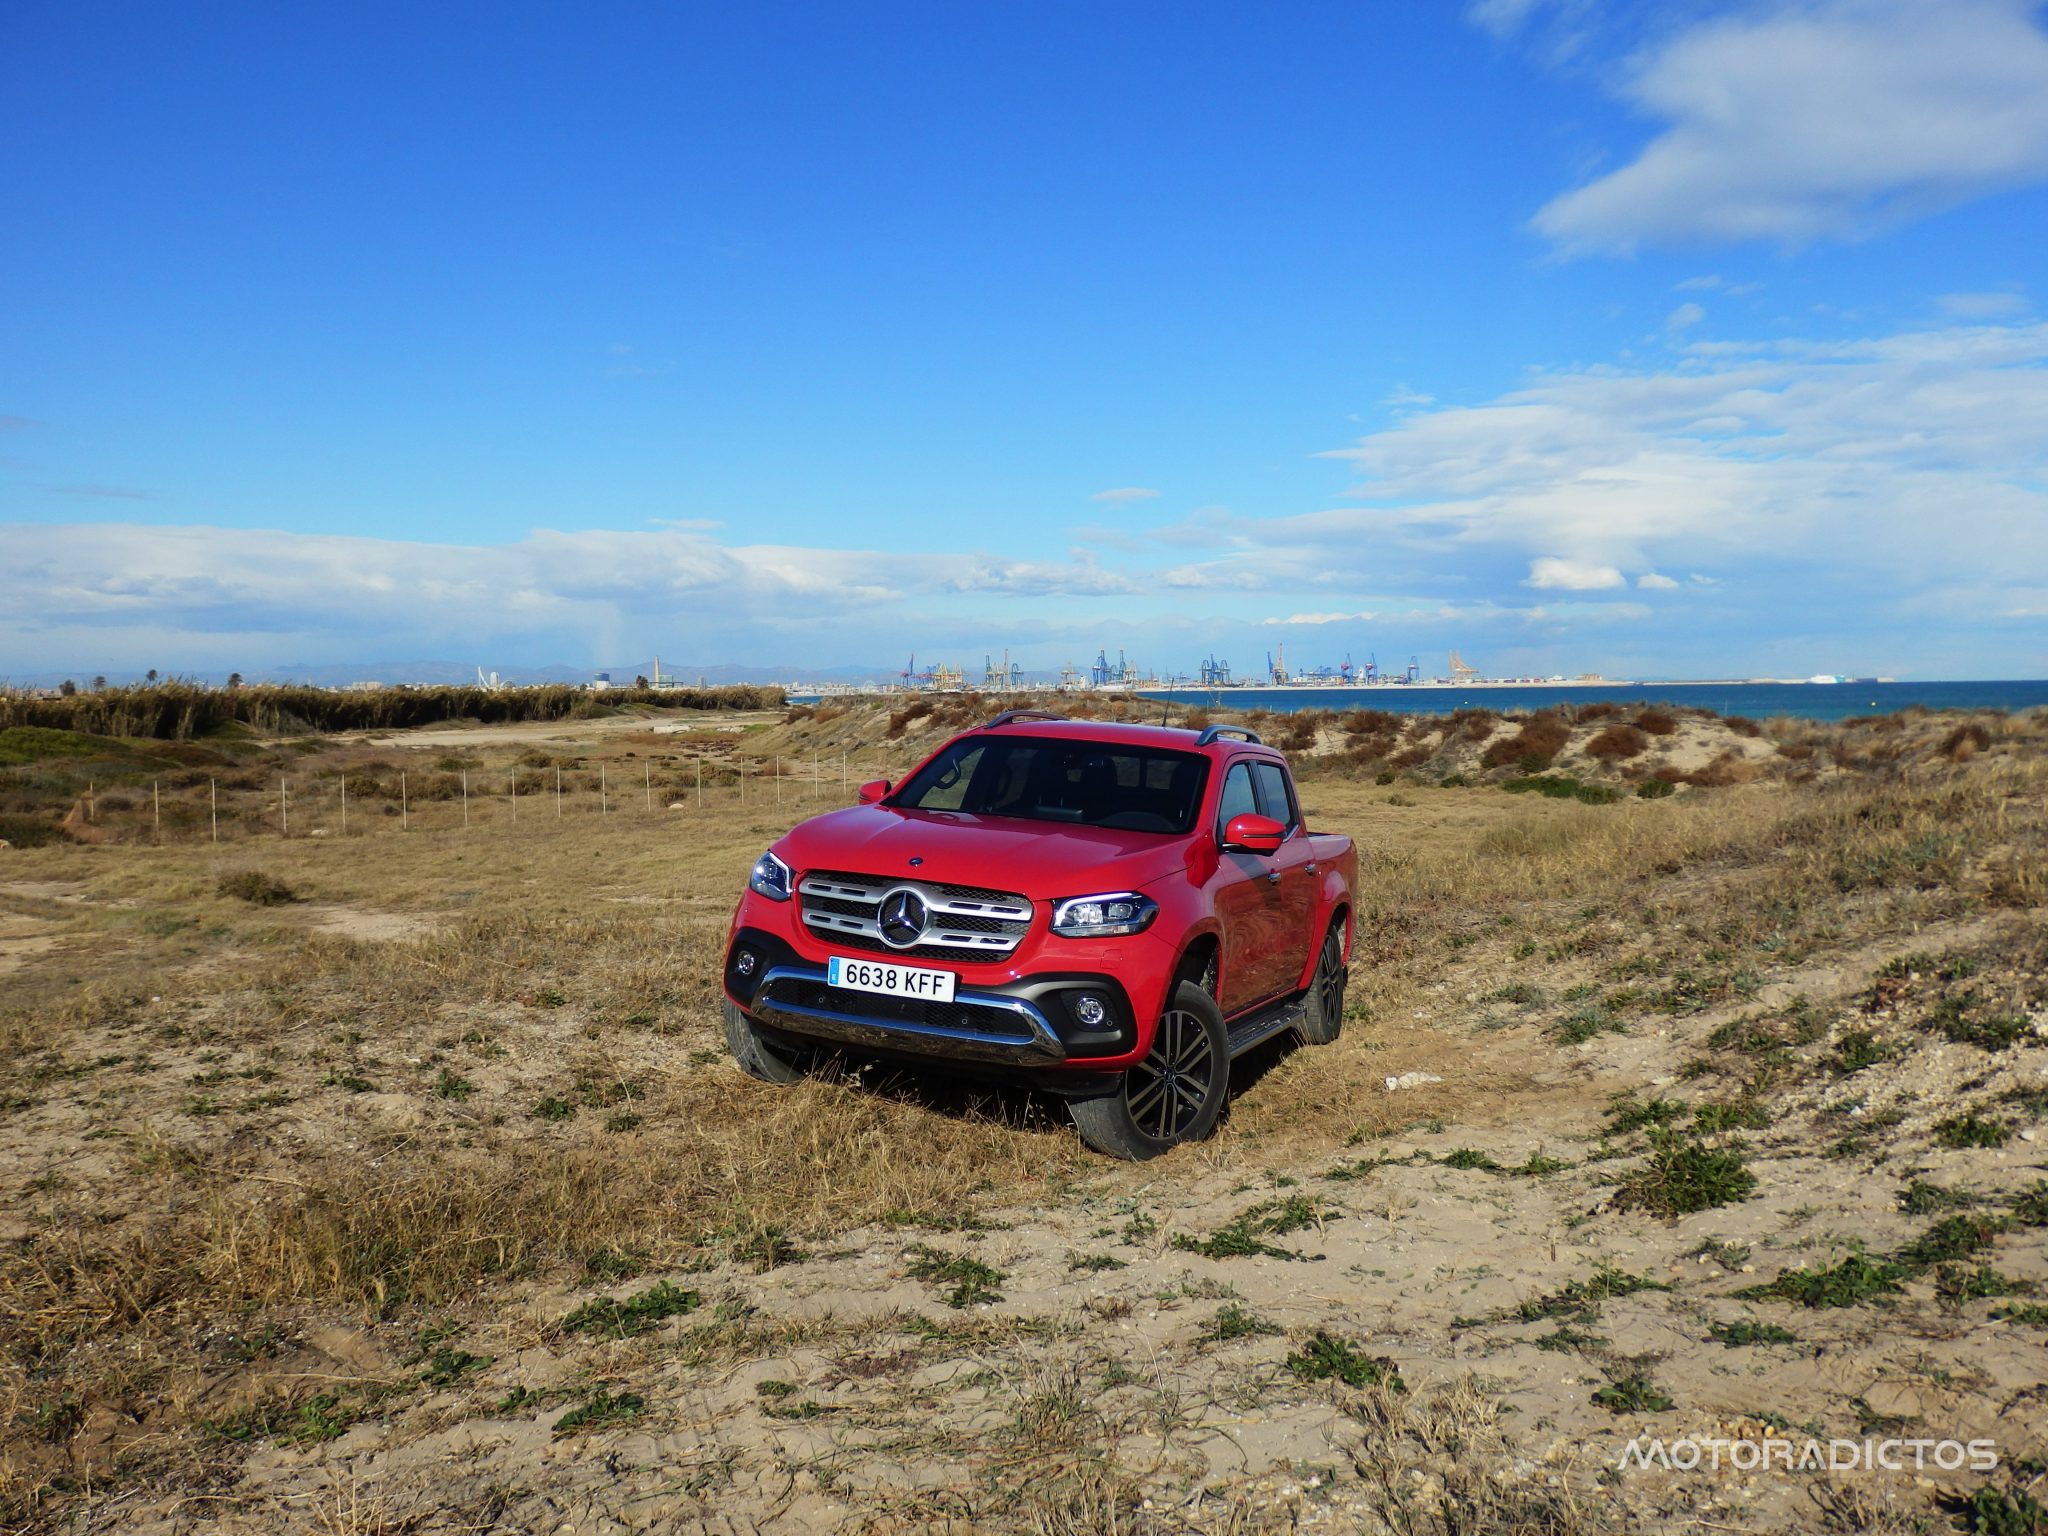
(1175, 1094)
(1323, 1017)
(757, 1055)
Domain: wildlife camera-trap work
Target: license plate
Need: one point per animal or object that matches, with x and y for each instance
(891, 980)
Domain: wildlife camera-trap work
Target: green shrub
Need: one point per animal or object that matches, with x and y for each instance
(256, 888)
(1688, 1176)
(22, 831)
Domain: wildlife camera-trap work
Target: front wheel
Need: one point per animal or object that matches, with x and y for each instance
(757, 1055)
(1174, 1094)
(1323, 1007)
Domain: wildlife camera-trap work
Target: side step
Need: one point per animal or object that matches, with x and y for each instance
(1258, 1028)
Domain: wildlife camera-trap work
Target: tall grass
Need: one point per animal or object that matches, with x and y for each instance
(179, 711)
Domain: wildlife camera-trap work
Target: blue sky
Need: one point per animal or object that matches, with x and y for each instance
(1661, 340)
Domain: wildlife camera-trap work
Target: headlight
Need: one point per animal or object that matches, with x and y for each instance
(1102, 917)
(770, 878)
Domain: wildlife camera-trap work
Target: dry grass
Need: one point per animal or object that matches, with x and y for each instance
(221, 1118)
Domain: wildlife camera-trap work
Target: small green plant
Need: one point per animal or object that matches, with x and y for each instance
(1742, 1334)
(1957, 1284)
(1633, 1115)
(1094, 1263)
(969, 1281)
(2033, 1314)
(447, 1367)
(1687, 1176)
(1990, 1511)
(1537, 1166)
(1467, 1157)
(1972, 1130)
(1951, 1239)
(1857, 1050)
(1520, 993)
(1578, 1298)
(1743, 1115)
(1920, 1198)
(1565, 1337)
(1634, 1393)
(1244, 1236)
(602, 1407)
(1655, 789)
(1589, 1022)
(1234, 1322)
(615, 1263)
(449, 1086)
(1329, 1358)
(552, 1108)
(613, 1319)
(1852, 1282)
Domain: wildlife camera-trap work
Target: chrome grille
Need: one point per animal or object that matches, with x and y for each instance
(962, 922)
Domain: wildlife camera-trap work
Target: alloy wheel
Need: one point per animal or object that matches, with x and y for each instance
(1167, 1090)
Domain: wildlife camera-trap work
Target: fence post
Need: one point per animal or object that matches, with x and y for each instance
(647, 778)
(558, 791)
(344, 803)
(512, 789)
(465, 797)
(778, 781)
(842, 775)
(604, 794)
(213, 807)
(156, 799)
(700, 783)
(284, 808)
(404, 807)
(91, 801)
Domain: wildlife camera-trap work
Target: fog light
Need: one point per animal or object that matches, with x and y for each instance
(1090, 1009)
(743, 962)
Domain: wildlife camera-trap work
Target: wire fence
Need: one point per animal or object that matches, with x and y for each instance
(347, 803)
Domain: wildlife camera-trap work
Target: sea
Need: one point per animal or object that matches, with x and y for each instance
(1759, 701)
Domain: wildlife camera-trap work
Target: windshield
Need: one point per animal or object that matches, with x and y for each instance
(1083, 783)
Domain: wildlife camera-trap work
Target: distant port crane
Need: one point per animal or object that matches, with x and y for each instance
(1215, 674)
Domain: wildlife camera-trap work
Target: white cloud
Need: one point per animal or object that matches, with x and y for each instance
(1705, 284)
(1684, 318)
(1652, 581)
(1828, 120)
(1828, 457)
(1983, 306)
(1124, 493)
(1572, 575)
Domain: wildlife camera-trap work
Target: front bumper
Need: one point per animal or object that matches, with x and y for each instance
(1026, 1023)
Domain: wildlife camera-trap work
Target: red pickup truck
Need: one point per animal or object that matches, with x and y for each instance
(1112, 912)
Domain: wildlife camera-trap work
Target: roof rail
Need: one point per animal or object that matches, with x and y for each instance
(1009, 716)
(1212, 732)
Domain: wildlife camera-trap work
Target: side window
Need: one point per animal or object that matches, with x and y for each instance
(1237, 797)
(948, 791)
(1275, 797)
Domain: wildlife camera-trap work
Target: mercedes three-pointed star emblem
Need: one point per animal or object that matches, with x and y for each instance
(902, 917)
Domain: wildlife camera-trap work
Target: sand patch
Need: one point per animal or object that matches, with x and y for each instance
(379, 927)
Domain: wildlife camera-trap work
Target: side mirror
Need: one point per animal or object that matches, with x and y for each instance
(873, 790)
(1253, 834)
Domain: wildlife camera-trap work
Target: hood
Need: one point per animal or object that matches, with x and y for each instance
(1043, 860)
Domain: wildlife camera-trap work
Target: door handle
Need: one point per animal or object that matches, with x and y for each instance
(1273, 877)
(1310, 868)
